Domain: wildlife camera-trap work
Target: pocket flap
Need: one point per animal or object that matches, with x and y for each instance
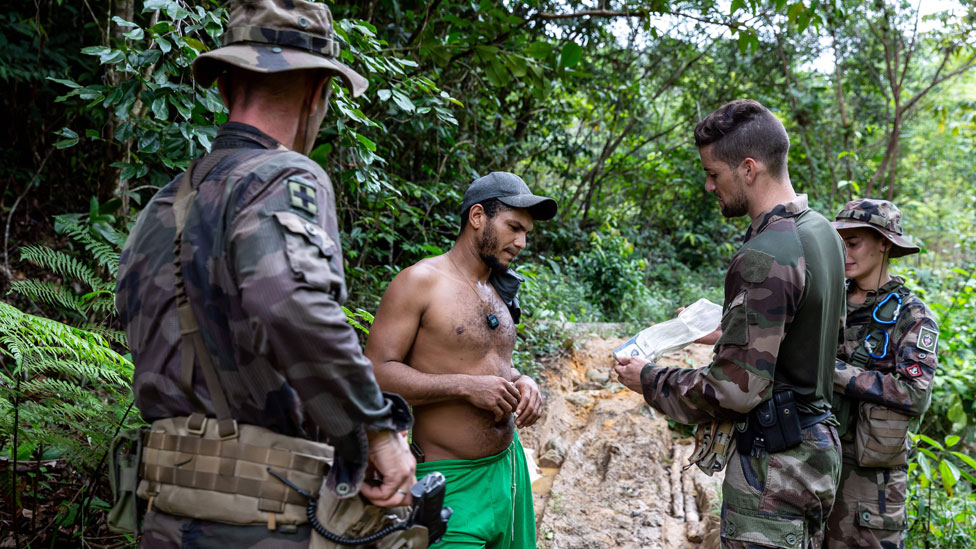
(869, 515)
(296, 224)
(787, 532)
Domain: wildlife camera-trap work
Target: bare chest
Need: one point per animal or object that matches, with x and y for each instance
(466, 322)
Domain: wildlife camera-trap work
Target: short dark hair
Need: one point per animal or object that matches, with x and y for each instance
(491, 206)
(744, 128)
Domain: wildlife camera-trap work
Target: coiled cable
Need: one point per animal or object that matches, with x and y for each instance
(335, 538)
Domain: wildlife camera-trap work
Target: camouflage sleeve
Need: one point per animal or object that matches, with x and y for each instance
(908, 388)
(288, 264)
(761, 295)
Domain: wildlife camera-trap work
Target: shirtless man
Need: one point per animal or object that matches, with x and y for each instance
(443, 339)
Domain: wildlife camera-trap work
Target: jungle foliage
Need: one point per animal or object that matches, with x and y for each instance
(592, 103)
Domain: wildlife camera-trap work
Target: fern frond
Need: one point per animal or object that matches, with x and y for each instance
(46, 292)
(44, 333)
(116, 336)
(106, 254)
(61, 263)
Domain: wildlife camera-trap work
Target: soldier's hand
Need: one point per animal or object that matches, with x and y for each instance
(707, 339)
(493, 393)
(629, 370)
(530, 402)
(391, 462)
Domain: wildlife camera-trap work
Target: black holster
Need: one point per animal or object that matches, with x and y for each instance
(773, 426)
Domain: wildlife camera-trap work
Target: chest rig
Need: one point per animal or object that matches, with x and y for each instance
(875, 343)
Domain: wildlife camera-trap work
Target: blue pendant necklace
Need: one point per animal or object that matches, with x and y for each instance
(491, 318)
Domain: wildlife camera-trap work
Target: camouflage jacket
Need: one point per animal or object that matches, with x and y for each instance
(263, 270)
(784, 308)
(902, 378)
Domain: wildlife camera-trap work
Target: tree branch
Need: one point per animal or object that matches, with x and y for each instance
(423, 24)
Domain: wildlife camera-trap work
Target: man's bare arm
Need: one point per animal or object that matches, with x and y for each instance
(391, 337)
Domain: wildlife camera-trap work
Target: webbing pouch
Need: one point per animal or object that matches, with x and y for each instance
(881, 438)
(124, 457)
(714, 444)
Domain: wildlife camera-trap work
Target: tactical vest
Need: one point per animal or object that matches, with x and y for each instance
(879, 434)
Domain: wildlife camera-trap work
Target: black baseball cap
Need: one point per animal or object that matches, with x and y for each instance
(510, 190)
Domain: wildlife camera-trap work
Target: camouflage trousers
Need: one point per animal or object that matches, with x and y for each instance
(782, 499)
(870, 508)
(165, 531)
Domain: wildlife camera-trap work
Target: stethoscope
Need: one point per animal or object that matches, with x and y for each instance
(883, 334)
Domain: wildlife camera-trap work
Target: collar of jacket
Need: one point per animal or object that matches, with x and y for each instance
(873, 295)
(237, 135)
(780, 211)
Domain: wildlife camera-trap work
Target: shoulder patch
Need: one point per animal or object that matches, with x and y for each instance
(755, 266)
(301, 197)
(928, 339)
(914, 370)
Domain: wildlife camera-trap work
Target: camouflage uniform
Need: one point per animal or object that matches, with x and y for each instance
(263, 270)
(783, 311)
(870, 506)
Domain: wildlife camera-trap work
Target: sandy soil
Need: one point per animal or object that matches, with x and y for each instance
(612, 469)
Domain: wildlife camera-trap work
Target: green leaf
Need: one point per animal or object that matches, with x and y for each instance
(164, 45)
(368, 143)
(925, 466)
(539, 50)
(69, 83)
(70, 138)
(486, 53)
(950, 475)
(160, 109)
(966, 459)
(403, 102)
(135, 34)
(516, 65)
(931, 442)
(736, 6)
(952, 440)
(794, 11)
(570, 55)
(196, 44)
(122, 22)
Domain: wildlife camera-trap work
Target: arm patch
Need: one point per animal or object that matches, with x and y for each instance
(755, 266)
(928, 339)
(301, 197)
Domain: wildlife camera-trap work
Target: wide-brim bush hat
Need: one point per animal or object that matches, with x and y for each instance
(271, 36)
(510, 190)
(880, 215)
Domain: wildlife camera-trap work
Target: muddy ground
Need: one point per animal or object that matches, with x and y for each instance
(612, 469)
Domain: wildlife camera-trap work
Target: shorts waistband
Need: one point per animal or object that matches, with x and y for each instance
(452, 464)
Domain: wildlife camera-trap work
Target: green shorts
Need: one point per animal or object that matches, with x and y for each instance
(491, 498)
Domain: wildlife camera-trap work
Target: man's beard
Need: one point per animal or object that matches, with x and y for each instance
(737, 204)
(487, 247)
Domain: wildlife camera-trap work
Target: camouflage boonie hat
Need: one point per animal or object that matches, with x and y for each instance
(274, 36)
(880, 215)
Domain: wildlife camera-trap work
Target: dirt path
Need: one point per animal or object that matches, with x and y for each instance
(612, 469)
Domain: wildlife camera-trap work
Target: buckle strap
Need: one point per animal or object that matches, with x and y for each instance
(274, 457)
(191, 339)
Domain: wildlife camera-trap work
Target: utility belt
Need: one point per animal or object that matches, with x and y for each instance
(775, 426)
(188, 469)
(256, 476)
